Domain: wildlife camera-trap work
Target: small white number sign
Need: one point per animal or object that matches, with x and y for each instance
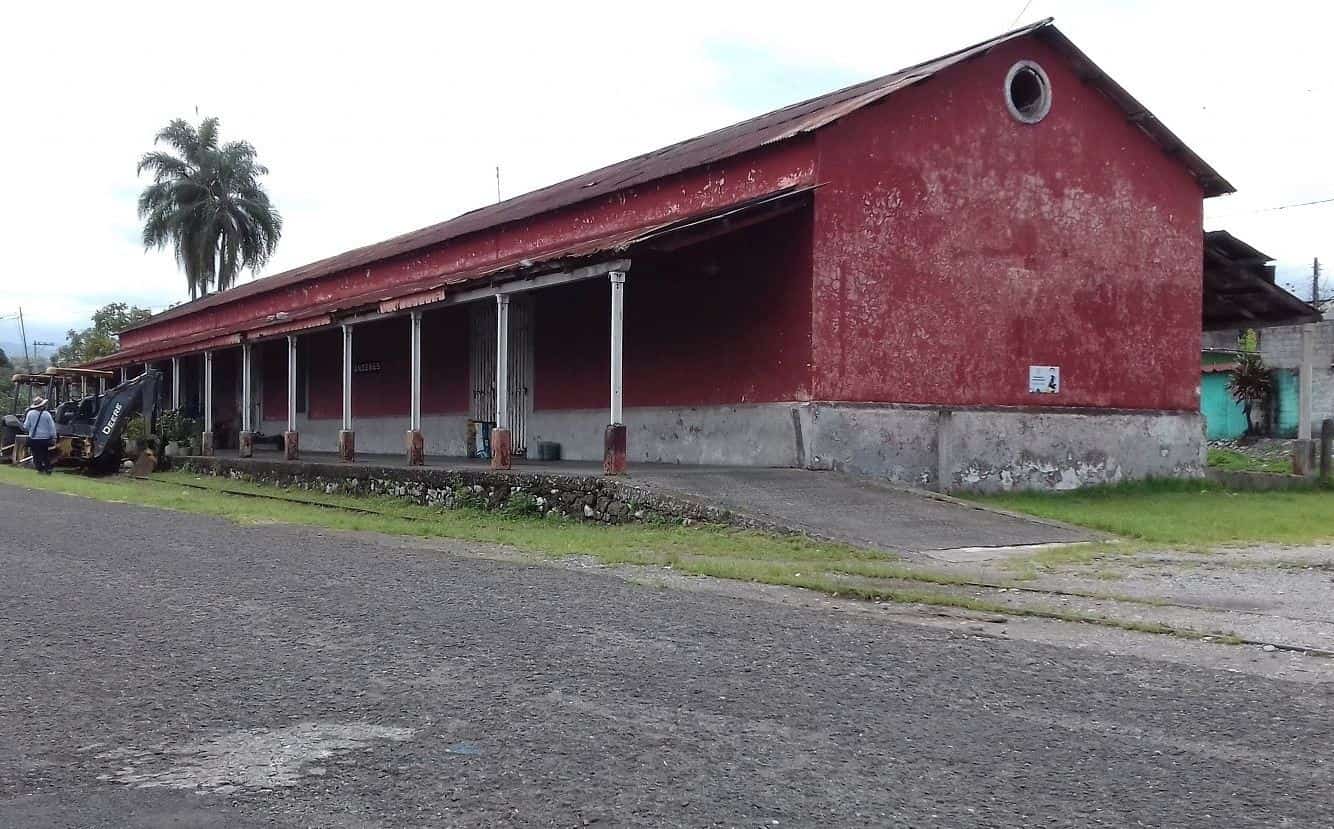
(1044, 379)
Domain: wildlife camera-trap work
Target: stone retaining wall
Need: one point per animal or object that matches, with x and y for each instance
(581, 497)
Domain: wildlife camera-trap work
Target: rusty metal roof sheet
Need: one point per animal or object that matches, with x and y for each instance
(773, 127)
(438, 287)
(156, 350)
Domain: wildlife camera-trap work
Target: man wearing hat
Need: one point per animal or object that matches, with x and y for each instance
(41, 429)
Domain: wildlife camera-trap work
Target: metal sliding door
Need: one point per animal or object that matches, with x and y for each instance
(482, 366)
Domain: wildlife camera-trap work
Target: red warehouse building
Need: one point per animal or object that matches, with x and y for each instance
(983, 271)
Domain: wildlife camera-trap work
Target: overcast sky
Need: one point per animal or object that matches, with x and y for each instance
(378, 118)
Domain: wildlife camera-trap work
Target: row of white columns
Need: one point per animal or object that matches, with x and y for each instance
(415, 371)
(208, 394)
(502, 361)
(291, 382)
(347, 378)
(617, 325)
(617, 329)
(246, 425)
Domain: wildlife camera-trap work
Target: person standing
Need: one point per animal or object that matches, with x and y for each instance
(41, 429)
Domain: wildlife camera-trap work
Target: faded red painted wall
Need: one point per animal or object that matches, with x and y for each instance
(271, 359)
(955, 246)
(226, 398)
(379, 393)
(703, 189)
(727, 321)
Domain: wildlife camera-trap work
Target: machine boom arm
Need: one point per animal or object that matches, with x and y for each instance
(132, 397)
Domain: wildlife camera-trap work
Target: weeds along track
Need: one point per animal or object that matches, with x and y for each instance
(286, 498)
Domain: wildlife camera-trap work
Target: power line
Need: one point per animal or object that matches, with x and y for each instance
(1326, 200)
(1020, 15)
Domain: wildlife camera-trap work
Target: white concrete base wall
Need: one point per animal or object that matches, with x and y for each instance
(444, 434)
(743, 435)
(944, 449)
(878, 441)
(999, 449)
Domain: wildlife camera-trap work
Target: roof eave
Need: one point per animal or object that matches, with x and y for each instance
(1211, 181)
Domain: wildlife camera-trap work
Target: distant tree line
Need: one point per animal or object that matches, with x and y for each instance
(99, 339)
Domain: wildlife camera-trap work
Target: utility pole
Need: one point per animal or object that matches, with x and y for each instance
(1315, 281)
(23, 334)
(497, 184)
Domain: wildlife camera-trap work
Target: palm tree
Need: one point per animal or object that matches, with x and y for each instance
(206, 201)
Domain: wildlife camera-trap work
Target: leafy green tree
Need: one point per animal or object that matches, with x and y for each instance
(207, 203)
(99, 339)
(4, 360)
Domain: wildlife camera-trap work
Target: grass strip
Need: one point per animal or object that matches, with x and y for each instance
(1190, 513)
(1234, 461)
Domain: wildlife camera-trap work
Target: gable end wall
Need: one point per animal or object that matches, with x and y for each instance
(955, 246)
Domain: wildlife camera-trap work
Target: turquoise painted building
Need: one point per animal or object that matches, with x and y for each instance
(1224, 418)
(1287, 399)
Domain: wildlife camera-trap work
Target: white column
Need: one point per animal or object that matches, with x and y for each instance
(347, 378)
(148, 367)
(246, 402)
(101, 385)
(415, 358)
(124, 374)
(208, 391)
(83, 387)
(502, 361)
(175, 382)
(291, 382)
(617, 328)
(1305, 379)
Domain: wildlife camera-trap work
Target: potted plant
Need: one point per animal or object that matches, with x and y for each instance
(178, 432)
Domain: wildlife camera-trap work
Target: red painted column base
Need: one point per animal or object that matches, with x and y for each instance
(613, 450)
(416, 446)
(502, 446)
(246, 445)
(291, 446)
(347, 446)
(206, 444)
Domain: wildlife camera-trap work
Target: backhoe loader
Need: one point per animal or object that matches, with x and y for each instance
(90, 427)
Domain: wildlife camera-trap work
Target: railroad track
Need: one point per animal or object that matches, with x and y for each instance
(285, 498)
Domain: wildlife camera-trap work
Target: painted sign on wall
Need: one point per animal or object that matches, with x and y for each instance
(1044, 379)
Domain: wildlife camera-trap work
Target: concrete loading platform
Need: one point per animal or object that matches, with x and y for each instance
(822, 504)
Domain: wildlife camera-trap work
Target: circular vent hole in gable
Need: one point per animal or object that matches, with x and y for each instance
(1027, 92)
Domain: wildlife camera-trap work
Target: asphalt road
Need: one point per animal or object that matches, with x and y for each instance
(159, 669)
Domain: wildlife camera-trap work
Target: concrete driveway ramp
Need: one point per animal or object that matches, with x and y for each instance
(855, 510)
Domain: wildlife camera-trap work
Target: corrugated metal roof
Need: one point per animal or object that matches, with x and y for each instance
(437, 288)
(1239, 289)
(217, 338)
(779, 125)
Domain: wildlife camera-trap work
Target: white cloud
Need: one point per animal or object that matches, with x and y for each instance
(380, 118)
